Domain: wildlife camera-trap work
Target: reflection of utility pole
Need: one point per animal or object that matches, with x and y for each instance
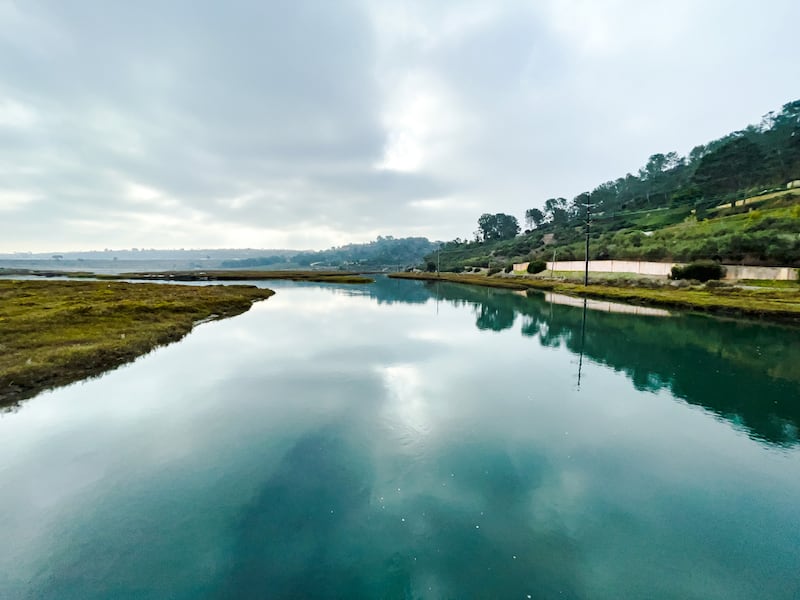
(588, 206)
(583, 340)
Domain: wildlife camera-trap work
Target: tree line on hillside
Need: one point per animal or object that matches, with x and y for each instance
(384, 251)
(732, 167)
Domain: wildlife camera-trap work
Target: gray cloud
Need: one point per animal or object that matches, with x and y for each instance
(307, 124)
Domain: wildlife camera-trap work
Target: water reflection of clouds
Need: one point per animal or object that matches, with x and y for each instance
(407, 407)
(308, 301)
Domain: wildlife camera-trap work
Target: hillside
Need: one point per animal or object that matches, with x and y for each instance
(732, 199)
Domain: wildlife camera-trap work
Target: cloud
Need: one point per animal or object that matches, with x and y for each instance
(196, 124)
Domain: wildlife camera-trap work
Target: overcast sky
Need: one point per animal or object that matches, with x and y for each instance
(292, 124)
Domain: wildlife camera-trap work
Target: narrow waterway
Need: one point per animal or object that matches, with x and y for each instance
(416, 440)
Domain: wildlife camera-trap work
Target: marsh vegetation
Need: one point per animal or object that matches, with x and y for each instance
(57, 332)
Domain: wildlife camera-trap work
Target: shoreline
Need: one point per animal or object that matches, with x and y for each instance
(54, 333)
(774, 305)
(353, 277)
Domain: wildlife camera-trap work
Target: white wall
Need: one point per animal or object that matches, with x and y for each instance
(643, 267)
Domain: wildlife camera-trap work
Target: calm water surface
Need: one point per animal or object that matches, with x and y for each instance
(411, 440)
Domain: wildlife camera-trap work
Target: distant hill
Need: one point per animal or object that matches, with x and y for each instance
(142, 254)
(383, 252)
(674, 208)
(132, 259)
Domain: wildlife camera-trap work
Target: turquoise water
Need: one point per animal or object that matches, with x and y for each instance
(411, 440)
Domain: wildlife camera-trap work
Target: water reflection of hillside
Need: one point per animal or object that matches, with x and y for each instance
(748, 373)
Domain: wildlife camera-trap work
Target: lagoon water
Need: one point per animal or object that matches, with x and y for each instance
(413, 440)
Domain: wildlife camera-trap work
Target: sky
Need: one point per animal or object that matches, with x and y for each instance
(308, 124)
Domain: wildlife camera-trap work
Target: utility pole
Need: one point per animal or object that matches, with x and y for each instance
(438, 259)
(588, 205)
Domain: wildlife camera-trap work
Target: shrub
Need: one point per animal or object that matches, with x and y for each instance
(508, 268)
(430, 266)
(655, 252)
(493, 270)
(715, 283)
(681, 283)
(536, 266)
(701, 270)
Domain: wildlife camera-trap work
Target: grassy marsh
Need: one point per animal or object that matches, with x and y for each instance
(778, 304)
(57, 332)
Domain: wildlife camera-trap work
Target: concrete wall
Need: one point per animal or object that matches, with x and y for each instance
(639, 267)
(643, 267)
(746, 272)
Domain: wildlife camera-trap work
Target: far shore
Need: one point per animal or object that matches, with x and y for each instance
(204, 275)
(773, 304)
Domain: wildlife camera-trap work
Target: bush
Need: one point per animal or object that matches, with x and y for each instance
(714, 284)
(431, 266)
(701, 270)
(508, 268)
(493, 270)
(536, 266)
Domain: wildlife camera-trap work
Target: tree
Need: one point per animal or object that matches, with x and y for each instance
(781, 142)
(533, 218)
(556, 210)
(499, 226)
(486, 226)
(733, 166)
(507, 226)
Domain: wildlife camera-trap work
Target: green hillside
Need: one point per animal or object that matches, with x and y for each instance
(727, 200)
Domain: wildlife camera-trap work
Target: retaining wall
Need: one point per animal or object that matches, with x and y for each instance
(661, 269)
